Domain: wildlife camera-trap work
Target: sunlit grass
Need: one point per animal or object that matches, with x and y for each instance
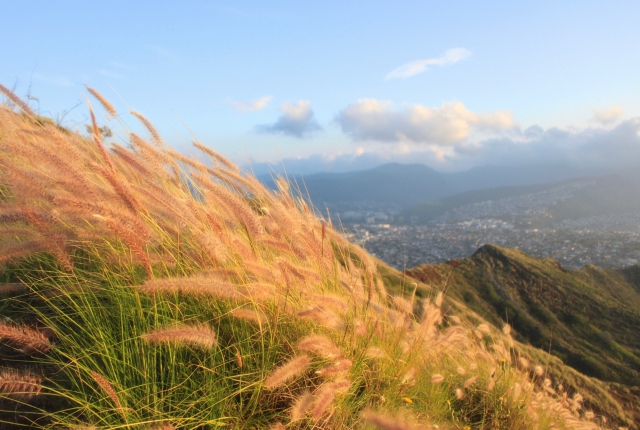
(179, 293)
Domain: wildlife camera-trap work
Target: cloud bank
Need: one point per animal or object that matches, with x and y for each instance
(592, 148)
(416, 67)
(297, 120)
(251, 106)
(447, 125)
(607, 116)
(591, 151)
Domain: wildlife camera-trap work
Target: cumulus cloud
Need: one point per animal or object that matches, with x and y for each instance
(585, 152)
(607, 116)
(416, 67)
(599, 149)
(447, 125)
(251, 106)
(296, 120)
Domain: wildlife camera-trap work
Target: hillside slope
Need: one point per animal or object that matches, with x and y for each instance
(587, 317)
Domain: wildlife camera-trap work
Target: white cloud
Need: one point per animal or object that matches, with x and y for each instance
(296, 120)
(599, 149)
(592, 151)
(607, 116)
(449, 124)
(416, 67)
(251, 106)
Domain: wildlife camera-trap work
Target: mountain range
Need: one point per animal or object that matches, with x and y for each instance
(405, 185)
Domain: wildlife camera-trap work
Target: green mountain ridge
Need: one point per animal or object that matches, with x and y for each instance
(619, 402)
(588, 318)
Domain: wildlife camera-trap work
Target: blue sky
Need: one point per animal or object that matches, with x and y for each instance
(435, 82)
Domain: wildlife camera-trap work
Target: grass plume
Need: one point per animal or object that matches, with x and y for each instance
(22, 386)
(287, 371)
(200, 336)
(28, 340)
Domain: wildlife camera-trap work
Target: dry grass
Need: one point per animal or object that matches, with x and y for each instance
(171, 247)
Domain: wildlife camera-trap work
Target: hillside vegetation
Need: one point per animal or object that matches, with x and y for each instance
(142, 288)
(588, 318)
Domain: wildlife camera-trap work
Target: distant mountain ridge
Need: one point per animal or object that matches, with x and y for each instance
(405, 185)
(591, 197)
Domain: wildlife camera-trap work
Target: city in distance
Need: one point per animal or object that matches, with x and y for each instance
(411, 214)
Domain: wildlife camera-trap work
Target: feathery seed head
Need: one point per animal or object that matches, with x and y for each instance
(250, 315)
(325, 395)
(107, 388)
(13, 98)
(438, 299)
(200, 336)
(301, 406)
(30, 341)
(319, 345)
(6, 289)
(387, 422)
(506, 329)
(103, 101)
(409, 377)
(437, 378)
(402, 305)
(469, 382)
(339, 367)
(374, 352)
(287, 371)
(152, 130)
(18, 385)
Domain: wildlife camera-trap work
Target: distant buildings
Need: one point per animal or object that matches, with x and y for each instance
(606, 243)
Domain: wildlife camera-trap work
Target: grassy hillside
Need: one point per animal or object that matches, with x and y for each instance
(587, 318)
(145, 289)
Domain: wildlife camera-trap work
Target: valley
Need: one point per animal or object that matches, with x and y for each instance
(607, 241)
(576, 221)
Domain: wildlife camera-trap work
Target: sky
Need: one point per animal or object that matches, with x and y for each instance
(335, 86)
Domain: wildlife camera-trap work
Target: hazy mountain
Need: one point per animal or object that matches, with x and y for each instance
(607, 195)
(432, 209)
(405, 185)
(552, 202)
